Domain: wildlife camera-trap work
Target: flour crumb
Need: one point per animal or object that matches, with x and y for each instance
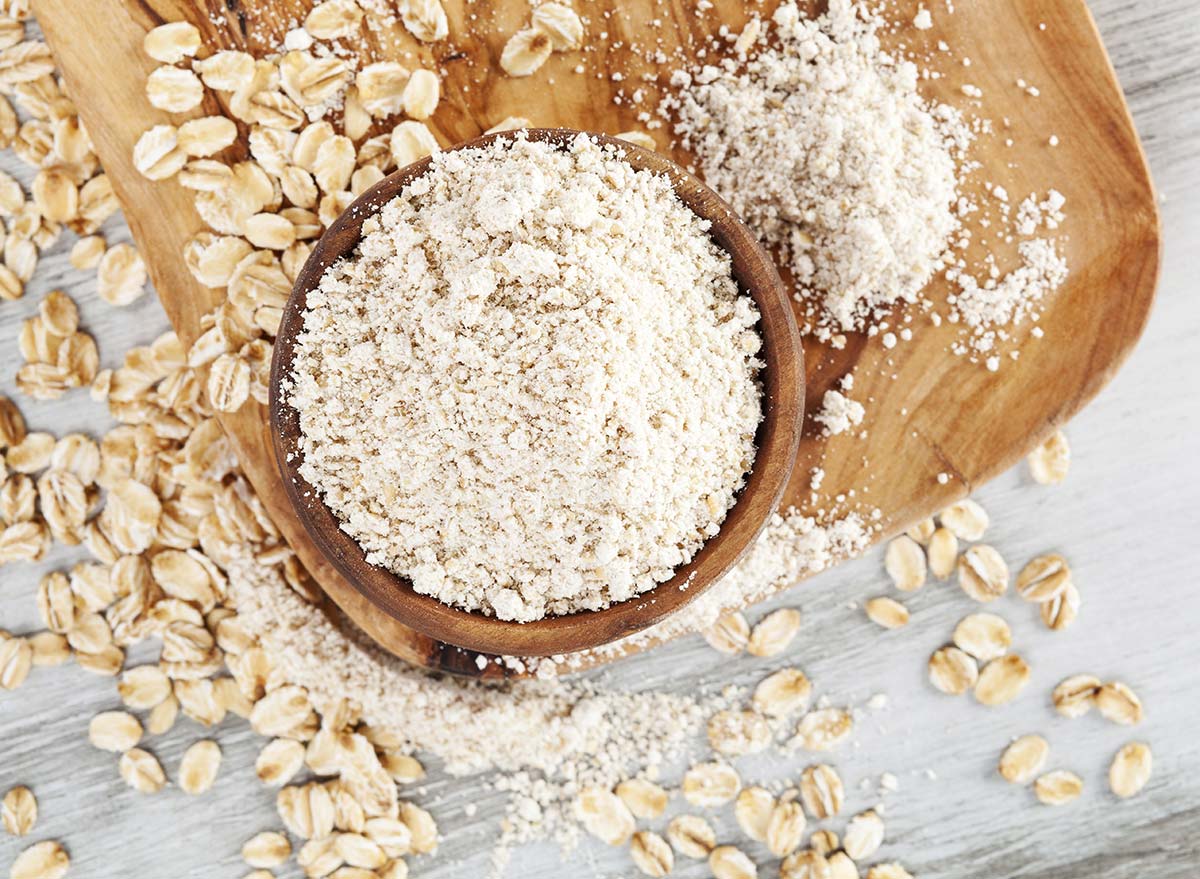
(838, 412)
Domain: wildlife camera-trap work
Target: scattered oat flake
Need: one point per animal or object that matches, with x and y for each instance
(1059, 612)
(141, 771)
(1075, 696)
(651, 854)
(729, 862)
(604, 815)
(691, 836)
(822, 791)
(841, 866)
(1117, 702)
(19, 811)
(560, 23)
(774, 632)
(1023, 759)
(785, 828)
(966, 519)
(1058, 788)
(782, 693)
(172, 42)
(805, 864)
(905, 563)
(952, 671)
(16, 654)
(267, 849)
(1044, 578)
(824, 729)
(1002, 680)
(922, 531)
(709, 785)
(1049, 462)
(199, 766)
(143, 687)
(863, 836)
(888, 871)
(942, 553)
(737, 732)
(644, 799)
(525, 52)
(1130, 769)
(752, 811)
(984, 636)
(729, 635)
(122, 275)
(42, 860)
(425, 19)
(420, 95)
(982, 573)
(886, 612)
(114, 731)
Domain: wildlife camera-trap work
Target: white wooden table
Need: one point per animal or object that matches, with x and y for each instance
(1128, 519)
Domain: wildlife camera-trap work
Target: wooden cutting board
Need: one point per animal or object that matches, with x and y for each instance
(929, 411)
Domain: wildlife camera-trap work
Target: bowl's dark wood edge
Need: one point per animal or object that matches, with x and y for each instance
(784, 381)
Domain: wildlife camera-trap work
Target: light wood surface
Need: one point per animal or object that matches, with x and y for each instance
(1126, 518)
(932, 412)
(782, 382)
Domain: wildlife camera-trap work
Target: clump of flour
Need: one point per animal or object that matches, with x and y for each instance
(823, 144)
(838, 412)
(532, 390)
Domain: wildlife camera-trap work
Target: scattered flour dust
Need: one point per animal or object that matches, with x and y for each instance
(824, 145)
(990, 307)
(547, 738)
(533, 388)
(525, 724)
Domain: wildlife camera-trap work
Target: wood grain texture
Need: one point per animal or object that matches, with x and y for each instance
(782, 381)
(1126, 518)
(933, 413)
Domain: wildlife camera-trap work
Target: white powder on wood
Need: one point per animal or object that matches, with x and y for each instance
(823, 144)
(532, 390)
(987, 308)
(838, 412)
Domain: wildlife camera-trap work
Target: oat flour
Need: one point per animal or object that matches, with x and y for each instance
(532, 390)
(823, 144)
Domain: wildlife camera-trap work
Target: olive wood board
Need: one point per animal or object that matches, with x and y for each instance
(929, 412)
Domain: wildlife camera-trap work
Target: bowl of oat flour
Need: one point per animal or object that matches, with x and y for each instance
(536, 392)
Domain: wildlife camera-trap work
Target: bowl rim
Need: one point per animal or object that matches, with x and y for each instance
(777, 440)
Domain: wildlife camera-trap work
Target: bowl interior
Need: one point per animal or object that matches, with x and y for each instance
(777, 440)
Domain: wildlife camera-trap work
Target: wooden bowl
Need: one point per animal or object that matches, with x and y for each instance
(777, 439)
